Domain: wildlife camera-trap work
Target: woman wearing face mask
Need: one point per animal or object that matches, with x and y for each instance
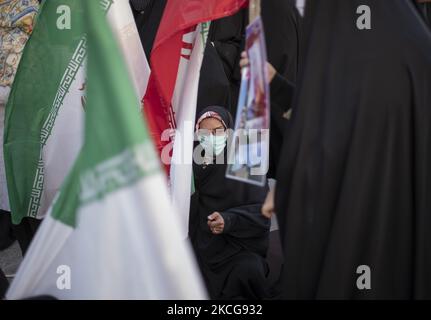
(228, 233)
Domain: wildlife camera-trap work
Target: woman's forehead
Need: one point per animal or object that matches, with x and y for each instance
(211, 122)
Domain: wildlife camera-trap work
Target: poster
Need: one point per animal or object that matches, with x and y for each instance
(249, 149)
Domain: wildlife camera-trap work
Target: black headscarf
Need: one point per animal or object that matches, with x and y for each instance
(222, 112)
(354, 182)
(239, 204)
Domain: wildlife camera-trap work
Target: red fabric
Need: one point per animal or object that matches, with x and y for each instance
(179, 17)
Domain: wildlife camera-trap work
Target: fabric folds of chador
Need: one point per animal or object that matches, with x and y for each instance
(118, 172)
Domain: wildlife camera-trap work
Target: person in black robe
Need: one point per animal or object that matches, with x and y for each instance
(282, 91)
(353, 195)
(228, 233)
(147, 14)
(283, 34)
(220, 75)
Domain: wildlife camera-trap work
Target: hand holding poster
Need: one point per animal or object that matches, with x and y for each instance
(248, 155)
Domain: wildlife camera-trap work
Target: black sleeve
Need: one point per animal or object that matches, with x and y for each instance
(282, 32)
(282, 91)
(227, 35)
(245, 222)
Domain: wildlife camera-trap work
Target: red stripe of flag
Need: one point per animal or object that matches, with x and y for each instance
(179, 18)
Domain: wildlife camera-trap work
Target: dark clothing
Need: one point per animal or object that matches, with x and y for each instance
(25, 231)
(22, 232)
(4, 284)
(147, 14)
(283, 33)
(354, 183)
(141, 5)
(6, 231)
(232, 263)
(282, 93)
(425, 11)
(220, 73)
(214, 85)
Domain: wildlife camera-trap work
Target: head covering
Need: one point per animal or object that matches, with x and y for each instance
(216, 112)
(283, 35)
(246, 230)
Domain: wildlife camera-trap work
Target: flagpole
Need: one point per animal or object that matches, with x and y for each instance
(254, 10)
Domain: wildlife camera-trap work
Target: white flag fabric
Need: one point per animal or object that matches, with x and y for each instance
(184, 103)
(120, 17)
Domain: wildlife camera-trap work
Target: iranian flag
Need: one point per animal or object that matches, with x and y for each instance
(171, 97)
(111, 233)
(45, 112)
(122, 22)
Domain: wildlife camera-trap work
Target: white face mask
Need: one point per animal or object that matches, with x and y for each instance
(213, 144)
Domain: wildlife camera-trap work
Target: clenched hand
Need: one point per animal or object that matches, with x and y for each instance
(216, 223)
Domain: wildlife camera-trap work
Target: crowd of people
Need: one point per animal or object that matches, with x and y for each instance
(350, 153)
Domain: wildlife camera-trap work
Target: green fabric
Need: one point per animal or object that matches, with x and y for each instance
(117, 151)
(33, 102)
